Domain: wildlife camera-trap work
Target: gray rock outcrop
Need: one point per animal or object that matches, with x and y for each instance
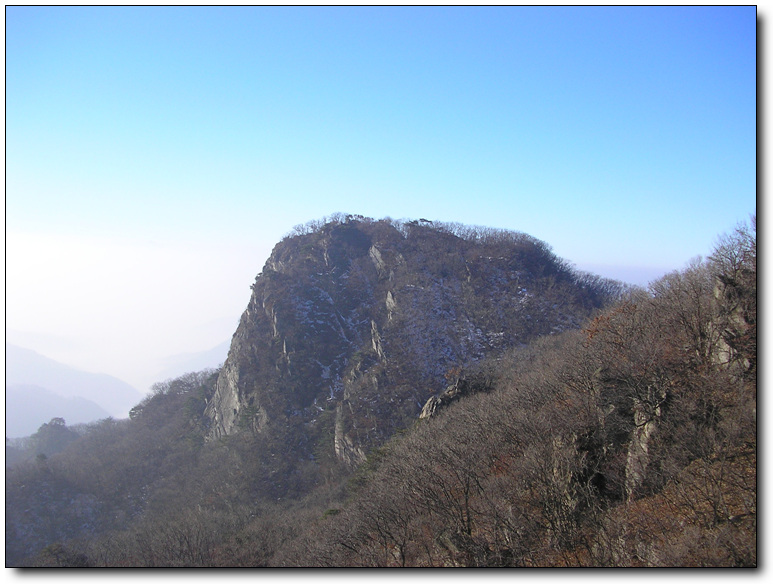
(375, 314)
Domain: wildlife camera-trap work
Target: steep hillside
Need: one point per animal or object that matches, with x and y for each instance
(629, 441)
(354, 323)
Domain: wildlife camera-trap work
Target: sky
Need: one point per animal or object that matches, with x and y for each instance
(155, 155)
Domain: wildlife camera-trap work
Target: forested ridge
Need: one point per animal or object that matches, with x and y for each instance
(624, 437)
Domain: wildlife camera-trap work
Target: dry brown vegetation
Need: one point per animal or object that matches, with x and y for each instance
(631, 441)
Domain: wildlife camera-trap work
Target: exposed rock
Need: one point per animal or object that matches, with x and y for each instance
(460, 388)
(451, 394)
(376, 340)
(391, 305)
(739, 320)
(378, 262)
(344, 447)
(646, 414)
(375, 310)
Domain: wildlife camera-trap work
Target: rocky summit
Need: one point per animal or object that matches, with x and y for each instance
(354, 324)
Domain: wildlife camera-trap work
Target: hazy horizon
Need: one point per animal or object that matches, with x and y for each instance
(155, 155)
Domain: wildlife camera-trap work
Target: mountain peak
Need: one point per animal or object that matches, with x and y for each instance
(361, 320)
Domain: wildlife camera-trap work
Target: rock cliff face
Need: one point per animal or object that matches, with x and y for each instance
(361, 321)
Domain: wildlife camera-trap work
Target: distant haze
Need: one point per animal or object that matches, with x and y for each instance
(121, 308)
(177, 365)
(26, 367)
(29, 406)
(38, 388)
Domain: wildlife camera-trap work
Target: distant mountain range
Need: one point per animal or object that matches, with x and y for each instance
(176, 365)
(27, 407)
(39, 388)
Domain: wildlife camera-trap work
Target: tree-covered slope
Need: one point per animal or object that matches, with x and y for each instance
(628, 440)
(629, 443)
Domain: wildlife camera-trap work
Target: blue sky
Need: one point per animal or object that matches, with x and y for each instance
(155, 155)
